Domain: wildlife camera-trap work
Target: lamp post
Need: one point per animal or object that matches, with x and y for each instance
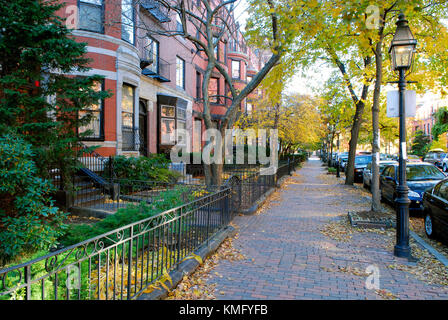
(402, 53)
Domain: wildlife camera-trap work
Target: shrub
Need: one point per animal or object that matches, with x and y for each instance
(133, 213)
(153, 168)
(28, 219)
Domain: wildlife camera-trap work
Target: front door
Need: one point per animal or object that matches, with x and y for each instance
(143, 128)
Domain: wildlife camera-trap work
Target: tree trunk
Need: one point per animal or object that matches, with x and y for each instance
(375, 182)
(350, 175)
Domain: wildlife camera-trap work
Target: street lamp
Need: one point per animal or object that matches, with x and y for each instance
(402, 53)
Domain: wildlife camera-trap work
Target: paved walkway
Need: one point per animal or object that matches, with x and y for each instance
(289, 258)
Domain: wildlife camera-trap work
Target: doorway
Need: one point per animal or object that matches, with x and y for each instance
(143, 128)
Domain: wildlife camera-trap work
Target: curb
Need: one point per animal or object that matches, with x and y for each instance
(252, 210)
(189, 266)
(428, 247)
(417, 238)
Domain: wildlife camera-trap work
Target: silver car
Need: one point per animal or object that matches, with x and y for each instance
(367, 173)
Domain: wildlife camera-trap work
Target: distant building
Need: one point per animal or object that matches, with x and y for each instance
(427, 106)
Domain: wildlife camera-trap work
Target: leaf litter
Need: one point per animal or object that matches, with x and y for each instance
(197, 286)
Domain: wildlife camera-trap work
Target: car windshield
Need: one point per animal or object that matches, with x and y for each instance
(417, 173)
(441, 155)
(363, 160)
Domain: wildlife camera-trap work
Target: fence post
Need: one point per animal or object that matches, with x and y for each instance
(289, 166)
(28, 282)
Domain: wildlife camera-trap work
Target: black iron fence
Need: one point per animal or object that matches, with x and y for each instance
(123, 263)
(119, 193)
(133, 259)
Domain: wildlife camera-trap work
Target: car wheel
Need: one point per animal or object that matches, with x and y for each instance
(364, 185)
(429, 226)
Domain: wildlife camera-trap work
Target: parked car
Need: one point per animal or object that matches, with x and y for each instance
(367, 173)
(342, 160)
(435, 207)
(413, 158)
(435, 158)
(444, 163)
(361, 163)
(419, 176)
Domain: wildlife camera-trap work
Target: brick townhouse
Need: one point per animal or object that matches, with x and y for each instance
(155, 80)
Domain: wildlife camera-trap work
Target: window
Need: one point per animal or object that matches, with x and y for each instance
(249, 79)
(167, 123)
(198, 85)
(213, 90)
(171, 118)
(181, 120)
(127, 21)
(127, 106)
(96, 125)
(180, 73)
(91, 15)
(179, 27)
(235, 69)
(152, 48)
(249, 108)
(216, 46)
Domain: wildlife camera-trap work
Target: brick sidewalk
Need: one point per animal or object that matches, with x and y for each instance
(289, 258)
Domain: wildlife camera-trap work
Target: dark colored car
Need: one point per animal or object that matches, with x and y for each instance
(419, 177)
(435, 206)
(361, 163)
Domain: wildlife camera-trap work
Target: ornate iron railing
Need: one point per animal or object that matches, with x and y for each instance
(126, 262)
(123, 263)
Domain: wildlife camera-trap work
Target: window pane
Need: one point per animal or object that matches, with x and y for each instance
(154, 54)
(127, 119)
(90, 17)
(128, 99)
(180, 68)
(127, 106)
(213, 90)
(97, 2)
(249, 107)
(215, 41)
(94, 126)
(167, 111)
(235, 69)
(180, 125)
(167, 130)
(127, 21)
(181, 113)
